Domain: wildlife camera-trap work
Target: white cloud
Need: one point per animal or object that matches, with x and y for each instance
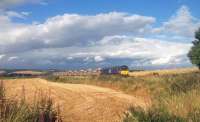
(98, 58)
(12, 58)
(13, 14)
(71, 29)
(73, 39)
(25, 13)
(182, 24)
(155, 52)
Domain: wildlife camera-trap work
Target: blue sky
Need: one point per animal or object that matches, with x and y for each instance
(161, 9)
(71, 34)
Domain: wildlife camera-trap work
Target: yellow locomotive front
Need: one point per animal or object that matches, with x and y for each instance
(124, 71)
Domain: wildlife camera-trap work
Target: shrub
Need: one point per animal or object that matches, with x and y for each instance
(194, 54)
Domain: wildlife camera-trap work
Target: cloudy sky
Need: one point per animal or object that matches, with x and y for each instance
(71, 34)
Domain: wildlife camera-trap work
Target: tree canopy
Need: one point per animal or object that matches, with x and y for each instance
(194, 53)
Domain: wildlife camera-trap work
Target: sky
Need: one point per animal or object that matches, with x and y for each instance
(75, 34)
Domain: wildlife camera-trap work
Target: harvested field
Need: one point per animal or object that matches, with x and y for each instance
(78, 103)
(163, 72)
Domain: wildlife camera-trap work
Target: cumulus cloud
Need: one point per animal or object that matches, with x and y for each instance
(182, 24)
(140, 51)
(71, 29)
(73, 40)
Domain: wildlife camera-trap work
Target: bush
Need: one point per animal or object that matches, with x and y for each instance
(194, 54)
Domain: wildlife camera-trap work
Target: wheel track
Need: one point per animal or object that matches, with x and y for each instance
(80, 103)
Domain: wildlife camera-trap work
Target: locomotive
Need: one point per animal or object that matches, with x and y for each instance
(116, 70)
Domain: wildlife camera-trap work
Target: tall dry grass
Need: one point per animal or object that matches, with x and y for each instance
(173, 96)
(19, 110)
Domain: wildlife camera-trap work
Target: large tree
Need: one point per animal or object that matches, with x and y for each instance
(194, 54)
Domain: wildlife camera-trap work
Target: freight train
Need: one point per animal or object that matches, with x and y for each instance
(116, 70)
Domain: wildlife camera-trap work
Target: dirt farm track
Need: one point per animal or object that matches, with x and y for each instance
(78, 103)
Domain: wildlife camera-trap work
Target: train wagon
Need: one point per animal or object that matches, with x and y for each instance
(116, 70)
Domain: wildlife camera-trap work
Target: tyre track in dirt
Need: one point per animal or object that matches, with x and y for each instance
(79, 103)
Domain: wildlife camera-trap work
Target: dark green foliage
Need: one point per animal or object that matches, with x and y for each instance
(194, 54)
(197, 34)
